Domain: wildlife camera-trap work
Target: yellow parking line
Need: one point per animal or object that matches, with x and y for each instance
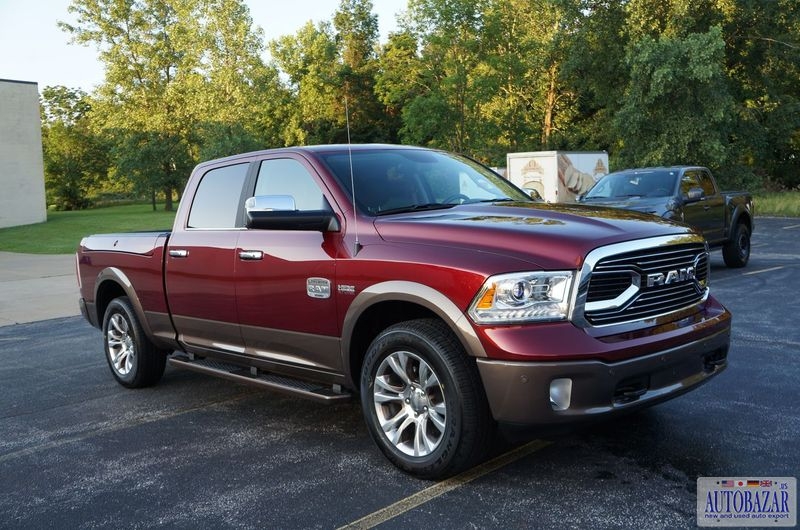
(764, 270)
(409, 503)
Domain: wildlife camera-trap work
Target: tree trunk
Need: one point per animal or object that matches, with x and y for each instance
(167, 199)
(153, 198)
(550, 105)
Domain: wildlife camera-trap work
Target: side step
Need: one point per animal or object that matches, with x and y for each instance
(253, 376)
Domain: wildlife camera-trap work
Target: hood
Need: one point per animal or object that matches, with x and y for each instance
(549, 236)
(652, 205)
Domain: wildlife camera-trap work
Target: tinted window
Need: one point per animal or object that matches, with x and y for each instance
(216, 202)
(689, 181)
(286, 176)
(707, 184)
(639, 183)
(396, 179)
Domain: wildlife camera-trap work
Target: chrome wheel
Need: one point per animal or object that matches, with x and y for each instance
(121, 348)
(409, 403)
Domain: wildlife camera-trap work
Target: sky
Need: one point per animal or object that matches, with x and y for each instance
(33, 48)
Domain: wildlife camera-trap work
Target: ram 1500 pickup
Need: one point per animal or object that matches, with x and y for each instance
(687, 194)
(438, 292)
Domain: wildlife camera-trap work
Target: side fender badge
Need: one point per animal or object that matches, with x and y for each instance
(318, 288)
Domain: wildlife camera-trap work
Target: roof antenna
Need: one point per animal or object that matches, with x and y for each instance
(357, 247)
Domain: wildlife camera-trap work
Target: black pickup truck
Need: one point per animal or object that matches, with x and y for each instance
(688, 194)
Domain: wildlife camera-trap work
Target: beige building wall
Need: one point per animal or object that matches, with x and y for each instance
(22, 199)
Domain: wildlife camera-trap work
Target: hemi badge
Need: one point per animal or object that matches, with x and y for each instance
(318, 288)
(346, 289)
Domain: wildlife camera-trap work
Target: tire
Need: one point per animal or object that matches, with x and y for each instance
(736, 252)
(133, 359)
(423, 401)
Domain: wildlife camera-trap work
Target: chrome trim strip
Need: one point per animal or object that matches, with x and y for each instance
(620, 300)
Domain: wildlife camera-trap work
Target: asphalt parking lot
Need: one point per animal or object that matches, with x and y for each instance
(79, 451)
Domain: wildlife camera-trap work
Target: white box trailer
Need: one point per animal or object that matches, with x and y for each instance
(558, 176)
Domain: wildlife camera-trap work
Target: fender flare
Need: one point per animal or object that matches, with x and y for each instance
(115, 275)
(415, 293)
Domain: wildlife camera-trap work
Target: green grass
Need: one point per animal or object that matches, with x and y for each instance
(63, 231)
(778, 204)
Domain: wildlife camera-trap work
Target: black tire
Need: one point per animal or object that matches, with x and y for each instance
(133, 359)
(736, 251)
(437, 417)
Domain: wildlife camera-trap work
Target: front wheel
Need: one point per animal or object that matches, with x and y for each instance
(134, 361)
(423, 401)
(736, 251)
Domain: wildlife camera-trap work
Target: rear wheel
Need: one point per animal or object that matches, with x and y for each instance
(736, 252)
(423, 401)
(134, 361)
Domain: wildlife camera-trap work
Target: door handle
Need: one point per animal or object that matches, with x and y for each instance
(251, 255)
(179, 253)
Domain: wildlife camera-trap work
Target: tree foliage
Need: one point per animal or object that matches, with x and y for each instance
(712, 82)
(75, 159)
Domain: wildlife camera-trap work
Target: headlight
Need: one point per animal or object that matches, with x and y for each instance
(523, 297)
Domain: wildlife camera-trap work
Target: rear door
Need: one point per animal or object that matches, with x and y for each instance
(285, 280)
(201, 260)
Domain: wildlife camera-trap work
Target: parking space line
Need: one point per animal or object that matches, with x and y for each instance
(791, 227)
(409, 503)
(764, 270)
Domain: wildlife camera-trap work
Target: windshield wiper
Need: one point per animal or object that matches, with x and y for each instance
(498, 199)
(417, 208)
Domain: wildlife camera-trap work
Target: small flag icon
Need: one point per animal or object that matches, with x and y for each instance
(766, 483)
(753, 483)
(726, 483)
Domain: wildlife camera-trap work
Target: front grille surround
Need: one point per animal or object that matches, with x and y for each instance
(635, 282)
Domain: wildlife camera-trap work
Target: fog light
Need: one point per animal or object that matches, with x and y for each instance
(560, 393)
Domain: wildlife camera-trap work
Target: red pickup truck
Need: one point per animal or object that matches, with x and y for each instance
(438, 292)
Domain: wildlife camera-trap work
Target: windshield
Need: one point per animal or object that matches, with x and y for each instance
(401, 180)
(640, 183)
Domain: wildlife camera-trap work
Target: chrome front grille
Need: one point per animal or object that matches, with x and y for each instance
(633, 285)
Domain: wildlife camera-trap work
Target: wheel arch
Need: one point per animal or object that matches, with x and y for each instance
(112, 283)
(387, 303)
(740, 215)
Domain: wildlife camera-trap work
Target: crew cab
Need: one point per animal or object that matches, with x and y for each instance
(438, 293)
(687, 194)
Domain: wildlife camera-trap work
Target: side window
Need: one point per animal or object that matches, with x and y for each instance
(707, 184)
(286, 176)
(689, 181)
(216, 201)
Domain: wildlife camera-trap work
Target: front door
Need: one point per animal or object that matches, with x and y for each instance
(286, 285)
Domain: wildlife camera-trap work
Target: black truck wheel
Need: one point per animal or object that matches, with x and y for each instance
(736, 252)
(423, 401)
(134, 361)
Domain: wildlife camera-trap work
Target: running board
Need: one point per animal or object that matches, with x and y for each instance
(254, 376)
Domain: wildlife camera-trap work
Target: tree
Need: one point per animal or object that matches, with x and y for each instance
(327, 64)
(357, 39)
(243, 99)
(763, 64)
(449, 36)
(677, 105)
(75, 159)
(309, 59)
(183, 78)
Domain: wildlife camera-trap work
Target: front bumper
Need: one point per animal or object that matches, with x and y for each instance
(519, 392)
